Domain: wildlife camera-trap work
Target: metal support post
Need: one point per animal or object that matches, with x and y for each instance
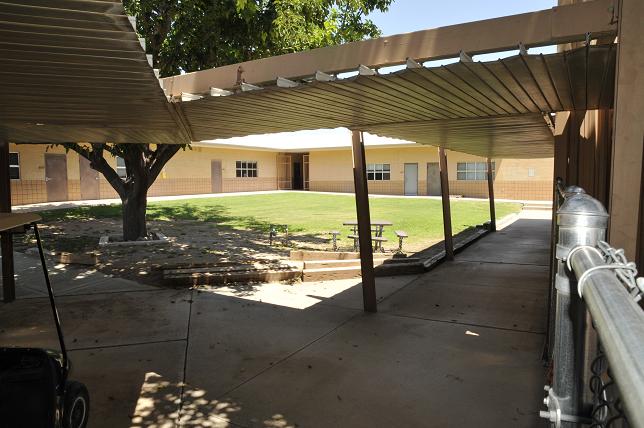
(581, 220)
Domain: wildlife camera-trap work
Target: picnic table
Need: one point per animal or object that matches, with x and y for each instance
(377, 228)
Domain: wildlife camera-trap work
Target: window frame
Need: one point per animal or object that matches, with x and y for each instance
(473, 171)
(378, 172)
(15, 166)
(246, 169)
(122, 168)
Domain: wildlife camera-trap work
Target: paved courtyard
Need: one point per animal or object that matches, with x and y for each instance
(458, 346)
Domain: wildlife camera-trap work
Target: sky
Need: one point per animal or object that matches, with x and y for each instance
(405, 16)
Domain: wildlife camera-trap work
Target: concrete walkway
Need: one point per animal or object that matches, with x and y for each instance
(456, 347)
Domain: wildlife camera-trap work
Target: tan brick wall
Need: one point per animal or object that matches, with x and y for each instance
(180, 186)
(28, 191)
(330, 170)
(342, 186)
(528, 190)
(105, 190)
(375, 187)
(249, 184)
(73, 189)
(185, 174)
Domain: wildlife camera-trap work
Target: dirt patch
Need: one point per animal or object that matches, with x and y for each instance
(192, 242)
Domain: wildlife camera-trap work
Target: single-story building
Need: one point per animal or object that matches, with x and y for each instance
(41, 174)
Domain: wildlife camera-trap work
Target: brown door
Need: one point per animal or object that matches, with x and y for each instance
(56, 177)
(88, 181)
(215, 176)
(284, 172)
(433, 179)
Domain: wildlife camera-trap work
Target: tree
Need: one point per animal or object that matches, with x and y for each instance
(191, 35)
(143, 164)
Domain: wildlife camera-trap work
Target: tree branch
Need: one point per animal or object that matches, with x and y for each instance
(160, 157)
(97, 161)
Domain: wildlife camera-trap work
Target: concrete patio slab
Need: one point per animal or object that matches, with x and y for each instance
(66, 279)
(233, 340)
(132, 386)
(366, 372)
(497, 274)
(491, 306)
(348, 293)
(97, 320)
(482, 251)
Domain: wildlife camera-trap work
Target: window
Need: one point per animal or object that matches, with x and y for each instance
(472, 170)
(530, 172)
(120, 167)
(378, 171)
(14, 166)
(245, 169)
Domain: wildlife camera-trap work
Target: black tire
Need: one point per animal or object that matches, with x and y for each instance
(76, 405)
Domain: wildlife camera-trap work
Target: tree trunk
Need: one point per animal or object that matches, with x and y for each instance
(134, 207)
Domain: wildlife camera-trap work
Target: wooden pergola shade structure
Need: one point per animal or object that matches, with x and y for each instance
(76, 71)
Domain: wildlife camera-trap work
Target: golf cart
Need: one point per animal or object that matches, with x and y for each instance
(35, 390)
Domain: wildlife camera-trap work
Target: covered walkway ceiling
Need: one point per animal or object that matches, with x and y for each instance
(491, 109)
(74, 70)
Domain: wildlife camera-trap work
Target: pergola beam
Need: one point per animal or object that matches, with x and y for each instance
(561, 24)
(364, 222)
(447, 213)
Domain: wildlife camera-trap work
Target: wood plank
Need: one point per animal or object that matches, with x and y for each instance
(447, 215)
(490, 190)
(560, 24)
(628, 146)
(364, 222)
(10, 220)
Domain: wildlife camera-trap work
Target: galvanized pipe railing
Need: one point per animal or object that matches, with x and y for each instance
(590, 292)
(619, 322)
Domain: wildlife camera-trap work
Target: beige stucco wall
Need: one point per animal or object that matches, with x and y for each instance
(189, 172)
(331, 171)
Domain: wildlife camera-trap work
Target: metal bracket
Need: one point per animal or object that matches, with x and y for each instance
(554, 415)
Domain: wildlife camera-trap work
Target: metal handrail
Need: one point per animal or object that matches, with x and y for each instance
(599, 277)
(619, 322)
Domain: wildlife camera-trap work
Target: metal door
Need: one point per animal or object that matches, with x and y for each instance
(215, 176)
(89, 186)
(411, 179)
(433, 179)
(56, 177)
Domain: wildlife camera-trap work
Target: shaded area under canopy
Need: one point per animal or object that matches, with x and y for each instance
(491, 109)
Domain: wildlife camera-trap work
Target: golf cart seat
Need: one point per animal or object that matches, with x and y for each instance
(28, 381)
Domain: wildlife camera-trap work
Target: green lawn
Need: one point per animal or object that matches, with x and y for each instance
(309, 213)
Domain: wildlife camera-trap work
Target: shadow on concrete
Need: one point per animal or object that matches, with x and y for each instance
(443, 350)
